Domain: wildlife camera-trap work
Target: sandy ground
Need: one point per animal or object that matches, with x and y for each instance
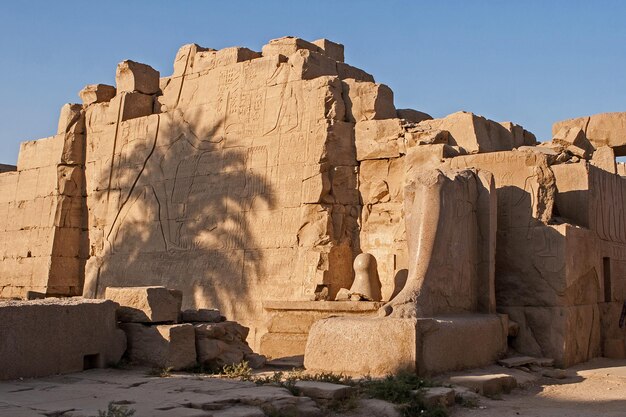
(596, 388)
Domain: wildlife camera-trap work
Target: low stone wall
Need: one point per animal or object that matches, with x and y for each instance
(57, 335)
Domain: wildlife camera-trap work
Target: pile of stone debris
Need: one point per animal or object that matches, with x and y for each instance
(160, 335)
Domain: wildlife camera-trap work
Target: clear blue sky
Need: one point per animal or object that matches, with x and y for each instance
(531, 62)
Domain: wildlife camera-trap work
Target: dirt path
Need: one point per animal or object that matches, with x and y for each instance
(596, 388)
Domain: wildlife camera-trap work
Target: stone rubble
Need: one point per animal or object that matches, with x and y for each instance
(192, 338)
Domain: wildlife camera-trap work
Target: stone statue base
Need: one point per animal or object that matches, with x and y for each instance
(380, 346)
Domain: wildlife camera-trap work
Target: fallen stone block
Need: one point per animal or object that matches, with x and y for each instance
(58, 335)
(146, 304)
(132, 76)
(437, 397)
(164, 346)
(220, 344)
(574, 138)
(604, 158)
(604, 129)
(96, 93)
(324, 390)
(473, 133)
(487, 385)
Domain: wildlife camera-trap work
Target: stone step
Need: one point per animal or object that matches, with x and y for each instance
(324, 390)
(486, 384)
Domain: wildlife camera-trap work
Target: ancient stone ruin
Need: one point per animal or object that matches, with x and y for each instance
(249, 182)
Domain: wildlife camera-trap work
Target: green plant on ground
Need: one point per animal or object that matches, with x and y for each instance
(160, 372)
(402, 389)
(343, 405)
(329, 377)
(240, 370)
(116, 411)
(396, 389)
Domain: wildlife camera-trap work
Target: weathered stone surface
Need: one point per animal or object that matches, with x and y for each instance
(378, 139)
(307, 65)
(132, 76)
(450, 343)
(604, 129)
(604, 158)
(521, 137)
(57, 335)
(516, 361)
(201, 315)
(413, 115)
(71, 119)
(129, 105)
(208, 195)
(366, 283)
(324, 390)
(185, 395)
(362, 346)
(473, 133)
(367, 101)
(568, 334)
(220, 344)
(96, 93)
(164, 345)
(613, 337)
(288, 45)
(589, 196)
(346, 71)
(488, 385)
(380, 346)
(441, 214)
(574, 140)
(146, 304)
(331, 49)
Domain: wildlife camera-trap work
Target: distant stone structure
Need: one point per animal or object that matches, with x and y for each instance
(250, 181)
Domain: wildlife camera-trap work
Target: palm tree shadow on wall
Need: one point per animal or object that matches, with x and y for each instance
(181, 203)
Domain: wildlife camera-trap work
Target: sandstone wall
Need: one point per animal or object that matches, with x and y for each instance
(560, 253)
(249, 176)
(240, 188)
(41, 215)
